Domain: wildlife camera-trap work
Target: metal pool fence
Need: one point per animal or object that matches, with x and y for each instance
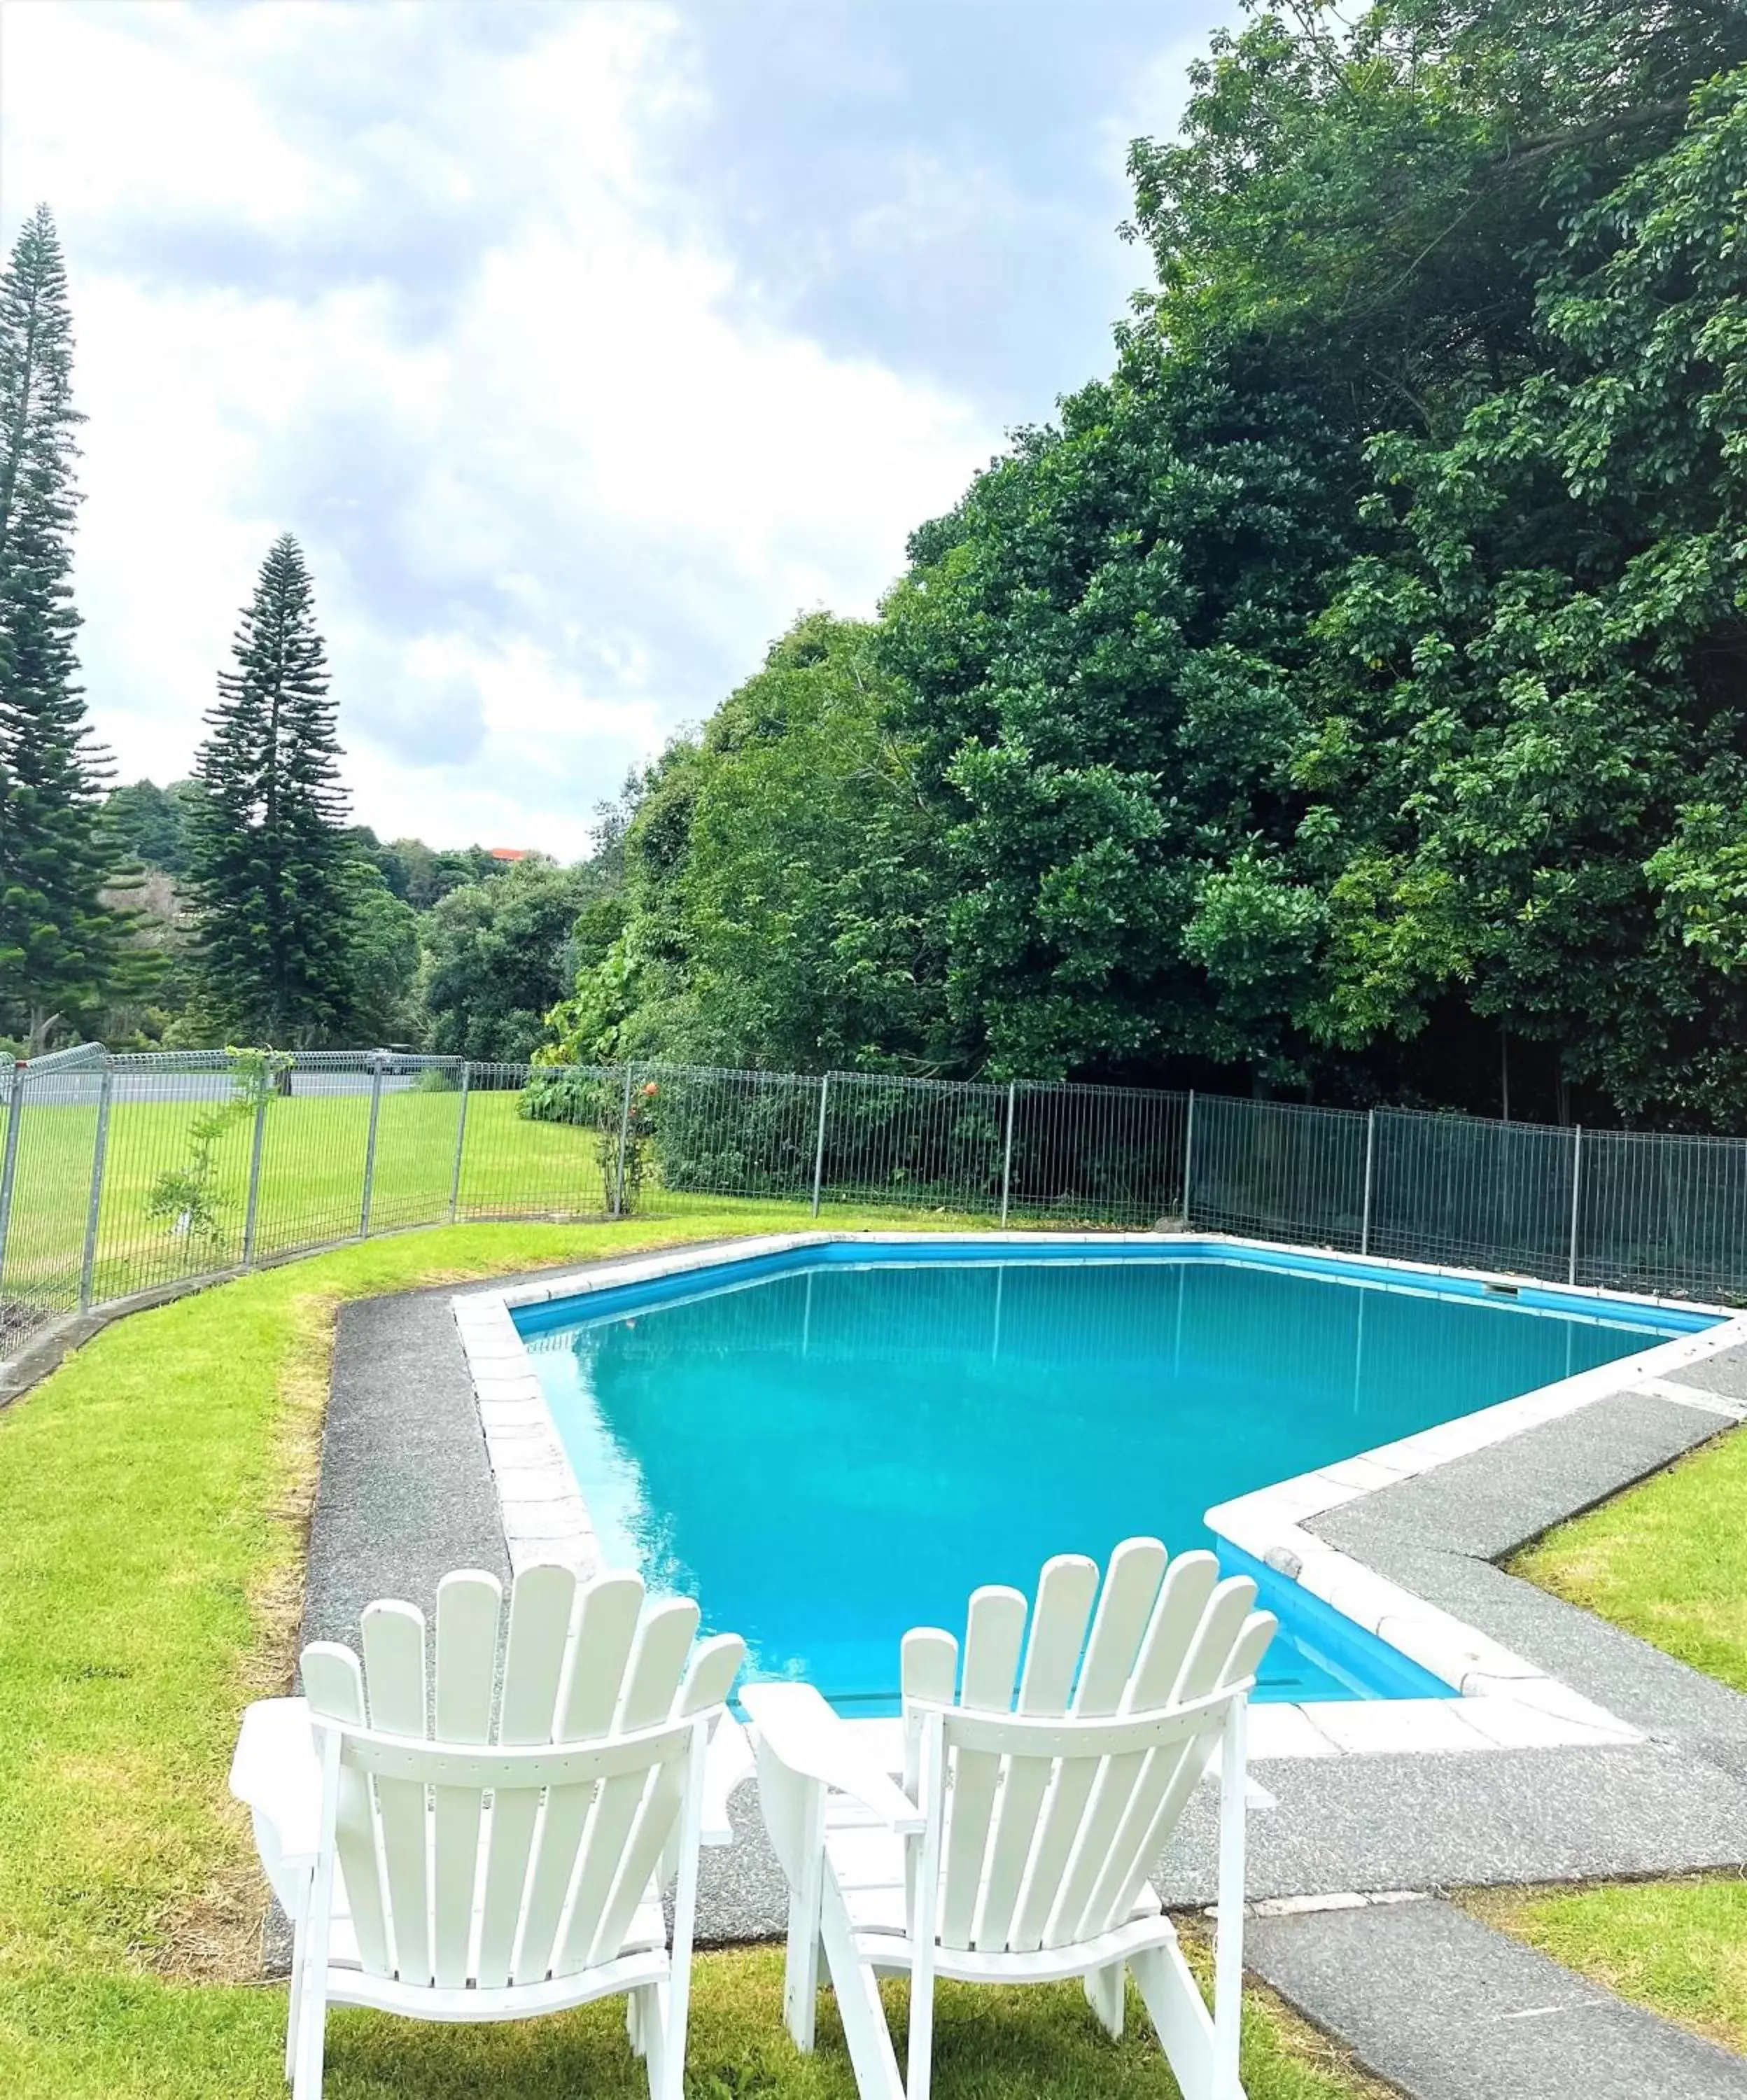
(120, 1175)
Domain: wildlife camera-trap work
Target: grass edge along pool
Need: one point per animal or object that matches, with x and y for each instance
(649, 1375)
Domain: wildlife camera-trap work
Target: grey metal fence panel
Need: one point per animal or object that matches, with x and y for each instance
(176, 1170)
(698, 1134)
(122, 1174)
(314, 1142)
(418, 1119)
(1278, 1171)
(917, 1145)
(1473, 1194)
(1096, 1156)
(45, 1194)
(1663, 1214)
(540, 1141)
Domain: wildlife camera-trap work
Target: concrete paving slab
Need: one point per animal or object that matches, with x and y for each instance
(1628, 1677)
(1519, 1817)
(1724, 1373)
(405, 1493)
(1447, 2009)
(1497, 1816)
(1728, 1752)
(1489, 1502)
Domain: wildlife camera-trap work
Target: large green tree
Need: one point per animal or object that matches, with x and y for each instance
(383, 955)
(150, 824)
(59, 944)
(1537, 692)
(1097, 657)
(786, 909)
(497, 958)
(1347, 694)
(271, 866)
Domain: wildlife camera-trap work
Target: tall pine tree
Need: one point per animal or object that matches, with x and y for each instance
(60, 947)
(271, 863)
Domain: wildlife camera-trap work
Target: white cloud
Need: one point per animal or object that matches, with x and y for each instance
(412, 282)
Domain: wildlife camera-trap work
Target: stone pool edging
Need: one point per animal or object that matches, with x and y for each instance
(1504, 1702)
(546, 1516)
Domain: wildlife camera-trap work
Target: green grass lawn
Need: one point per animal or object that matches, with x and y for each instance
(312, 1175)
(1667, 1560)
(1680, 1947)
(312, 1165)
(153, 1494)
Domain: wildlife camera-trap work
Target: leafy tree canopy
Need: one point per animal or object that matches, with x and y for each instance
(784, 906)
(497, 958)
(150, 824)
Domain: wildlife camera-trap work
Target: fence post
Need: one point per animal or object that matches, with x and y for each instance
(1189, 1154)
(818, 1148)
(370, 1149)
(461, 1140)
(1370, 1155)
(9, 1171)
(1577, 1196)
(257, 1144)
(1007, 1156)
(88, 1267)
(625, 1139)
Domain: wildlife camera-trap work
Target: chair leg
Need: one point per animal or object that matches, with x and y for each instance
(1181, 2021)
(293, 2008)
(1228, 1945)
(667, 2019)
(800, 1966)
(865, 2031)
(652, 2021)
(919, 2061)
(299, 1944)
(309, 2039)
(633, 2021)
(1104, 1994)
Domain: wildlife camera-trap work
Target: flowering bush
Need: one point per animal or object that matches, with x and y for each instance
(596, 1101)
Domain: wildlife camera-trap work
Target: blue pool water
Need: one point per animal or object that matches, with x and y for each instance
(829, 1447)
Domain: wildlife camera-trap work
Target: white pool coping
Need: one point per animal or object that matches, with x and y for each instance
(1504, 1702)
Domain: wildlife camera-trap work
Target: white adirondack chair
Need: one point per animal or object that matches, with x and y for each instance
(1018, 1848)
(482, 1872)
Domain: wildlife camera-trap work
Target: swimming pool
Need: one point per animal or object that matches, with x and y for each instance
(830, 1445)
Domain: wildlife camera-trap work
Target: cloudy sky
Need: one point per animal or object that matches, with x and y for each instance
(582, 345)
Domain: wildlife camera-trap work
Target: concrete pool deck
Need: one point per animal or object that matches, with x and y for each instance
(408, 1493)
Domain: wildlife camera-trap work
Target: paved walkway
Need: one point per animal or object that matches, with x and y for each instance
(1440, 1534)
(406, 1494)
(1447, 2009)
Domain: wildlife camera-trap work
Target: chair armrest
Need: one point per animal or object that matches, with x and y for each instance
(729, 1761)
(277, 1773)
(802, 1733)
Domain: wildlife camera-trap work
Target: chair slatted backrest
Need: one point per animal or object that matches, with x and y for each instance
(1049, 1833)
(498, 1882)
